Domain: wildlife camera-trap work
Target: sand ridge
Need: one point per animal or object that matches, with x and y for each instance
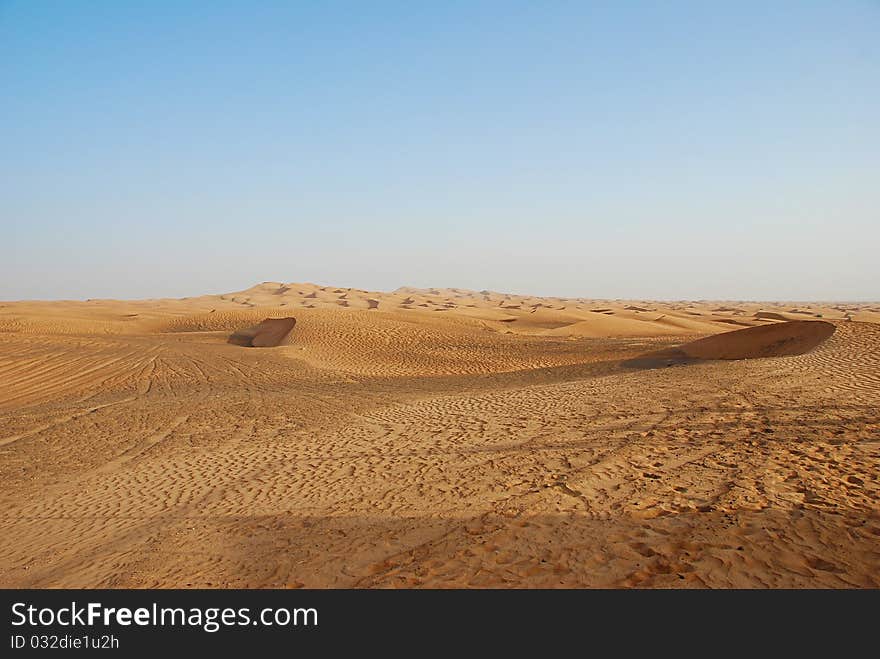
(437, 437)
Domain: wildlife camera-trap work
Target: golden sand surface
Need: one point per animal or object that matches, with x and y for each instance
(438, 438)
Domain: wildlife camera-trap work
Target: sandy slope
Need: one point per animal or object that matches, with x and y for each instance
(435, 438)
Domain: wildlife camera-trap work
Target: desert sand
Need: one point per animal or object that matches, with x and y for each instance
(297, 435)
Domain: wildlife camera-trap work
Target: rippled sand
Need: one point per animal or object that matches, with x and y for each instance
(435, 438)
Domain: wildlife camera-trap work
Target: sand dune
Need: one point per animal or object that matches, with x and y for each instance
(782, 340)
(269, 333)
(440, 438)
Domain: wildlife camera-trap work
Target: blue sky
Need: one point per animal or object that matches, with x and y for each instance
(621, 149)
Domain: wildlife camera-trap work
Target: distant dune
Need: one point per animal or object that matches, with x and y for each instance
(500, 312)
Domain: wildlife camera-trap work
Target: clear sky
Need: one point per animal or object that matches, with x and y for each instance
(598, 149)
